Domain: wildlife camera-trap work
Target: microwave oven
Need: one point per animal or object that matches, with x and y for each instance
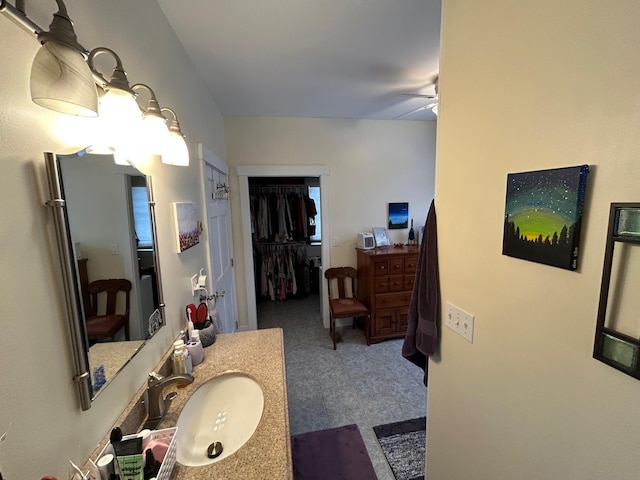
(366, 241)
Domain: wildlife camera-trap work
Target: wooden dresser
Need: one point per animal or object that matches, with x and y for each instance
(385, 284)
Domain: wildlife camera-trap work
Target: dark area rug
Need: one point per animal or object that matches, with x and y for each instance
(404, 446)
(335, 454)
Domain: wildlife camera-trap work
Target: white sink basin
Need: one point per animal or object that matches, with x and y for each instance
(226, 409)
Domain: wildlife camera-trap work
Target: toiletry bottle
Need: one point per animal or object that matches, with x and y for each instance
(195, 348)
(185, 365)
(188, 362)
(178, 357)
(152, 466)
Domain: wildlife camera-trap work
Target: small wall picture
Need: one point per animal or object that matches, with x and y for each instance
(186, 225)
(380, 236)
(398, 216)
(543, 214)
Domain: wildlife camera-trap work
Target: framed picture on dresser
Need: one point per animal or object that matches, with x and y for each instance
(381, 237)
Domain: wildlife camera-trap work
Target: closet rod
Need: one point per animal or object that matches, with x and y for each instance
(278, 187)
(283, 244)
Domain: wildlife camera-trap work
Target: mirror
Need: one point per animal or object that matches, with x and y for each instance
(105, 230)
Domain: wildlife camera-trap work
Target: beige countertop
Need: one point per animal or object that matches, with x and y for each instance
(112, 356)
(267, 454)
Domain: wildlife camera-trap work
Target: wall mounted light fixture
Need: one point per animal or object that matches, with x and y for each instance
(63, 78)
(121, 118)
(156, 130)
(60, 77)
(176, 152)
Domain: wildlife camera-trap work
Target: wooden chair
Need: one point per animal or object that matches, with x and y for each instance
(342, 301)
(104, 324)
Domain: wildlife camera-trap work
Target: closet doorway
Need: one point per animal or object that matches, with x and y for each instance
(287, 181)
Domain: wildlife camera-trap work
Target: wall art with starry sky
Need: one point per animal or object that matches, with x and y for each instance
(543, 214)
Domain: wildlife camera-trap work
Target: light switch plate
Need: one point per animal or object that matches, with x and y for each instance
(459, 321)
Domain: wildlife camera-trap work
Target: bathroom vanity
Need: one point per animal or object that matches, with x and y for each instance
(258, 354)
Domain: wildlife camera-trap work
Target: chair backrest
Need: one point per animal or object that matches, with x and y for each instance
(344, 278)
(111, 287)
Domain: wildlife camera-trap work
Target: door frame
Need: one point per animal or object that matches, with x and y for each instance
(244, 172)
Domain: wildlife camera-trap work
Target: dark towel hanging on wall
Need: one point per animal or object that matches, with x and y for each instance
(422, 331)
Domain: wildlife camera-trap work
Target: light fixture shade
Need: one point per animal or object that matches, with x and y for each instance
(62, 81)
(121, 120)
(434, 109)
(176, 151)
(155, 129)
(155, 133)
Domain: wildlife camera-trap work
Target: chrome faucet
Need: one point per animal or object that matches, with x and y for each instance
(157, 406)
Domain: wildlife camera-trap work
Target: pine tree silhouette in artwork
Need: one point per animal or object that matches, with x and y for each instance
(553, 249)
(563, 239)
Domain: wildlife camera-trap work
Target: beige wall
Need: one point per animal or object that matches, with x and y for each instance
(527, 86)
(371, 163)
(38, 396)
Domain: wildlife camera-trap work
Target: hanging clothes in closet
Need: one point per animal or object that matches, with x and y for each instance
(282, 222)
(281, 271)
(282, 214)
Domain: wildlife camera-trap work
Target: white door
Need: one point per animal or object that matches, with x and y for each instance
(216, 179)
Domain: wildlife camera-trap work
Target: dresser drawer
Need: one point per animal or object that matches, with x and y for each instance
(393, 299)
(381, 267)
(396, 265)
(408, 281)
(410, 264)
(381, 284)
(396, 283)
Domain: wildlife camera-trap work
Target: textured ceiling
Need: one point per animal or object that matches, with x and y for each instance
(313, 58)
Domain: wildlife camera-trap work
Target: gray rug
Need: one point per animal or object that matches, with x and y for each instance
(404, 446)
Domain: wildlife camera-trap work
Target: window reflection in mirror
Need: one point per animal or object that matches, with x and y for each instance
(111, 230)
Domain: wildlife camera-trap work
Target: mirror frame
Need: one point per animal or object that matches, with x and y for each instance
(624, 344)
(69, 272)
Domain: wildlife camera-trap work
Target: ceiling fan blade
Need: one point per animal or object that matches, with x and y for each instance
(421, 95)
(424, 107)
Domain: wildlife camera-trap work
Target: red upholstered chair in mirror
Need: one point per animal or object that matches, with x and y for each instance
(342, 285)
(103, 322)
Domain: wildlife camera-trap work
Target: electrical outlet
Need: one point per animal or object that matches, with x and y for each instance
(114, 249)
(459, 321)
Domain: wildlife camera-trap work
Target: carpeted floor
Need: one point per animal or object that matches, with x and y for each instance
(354, 384)
(403, 444)
(335, 453)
